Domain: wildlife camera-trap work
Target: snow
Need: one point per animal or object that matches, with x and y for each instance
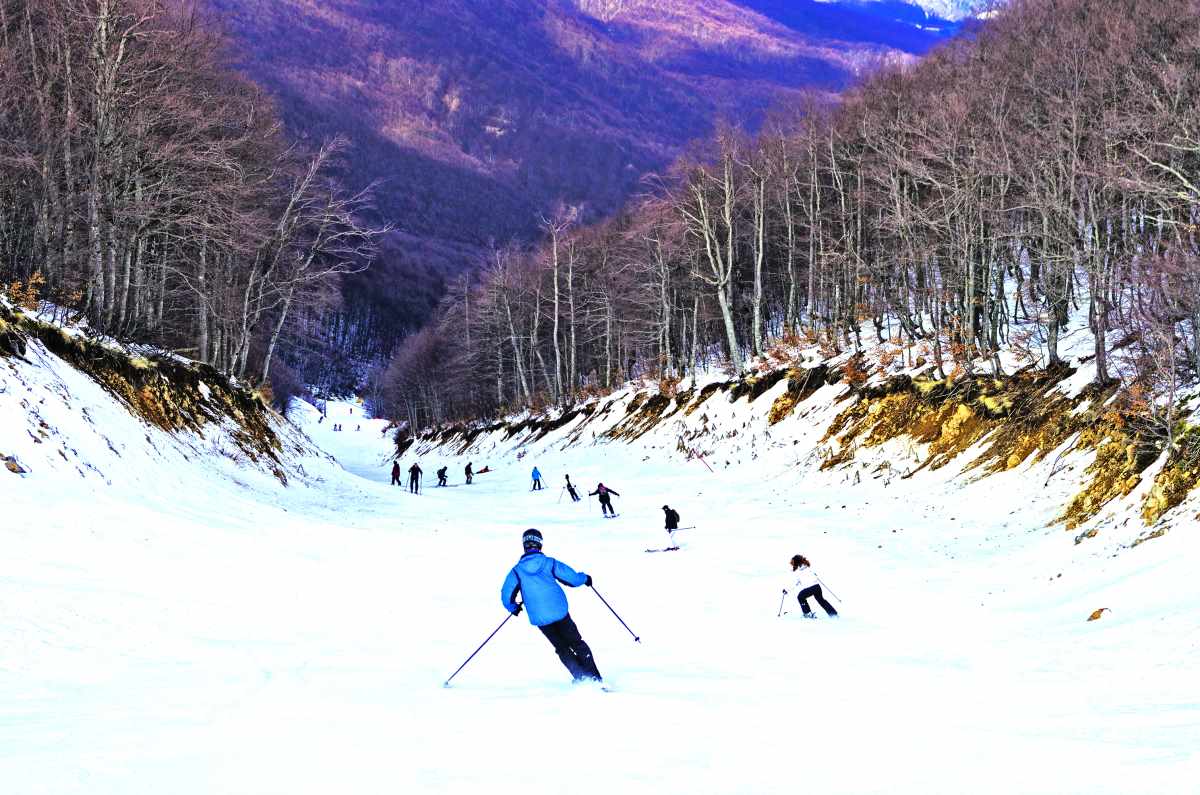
(953, 10)
(175, 620)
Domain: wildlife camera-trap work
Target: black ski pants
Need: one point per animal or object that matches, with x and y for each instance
(574, 494)
(396, 479)
(537, 485)
(606, 506)
(413, 484)
(441, 480)
(571, 649)
(814, 591)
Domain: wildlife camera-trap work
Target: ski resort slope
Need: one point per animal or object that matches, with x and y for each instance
(187, 626)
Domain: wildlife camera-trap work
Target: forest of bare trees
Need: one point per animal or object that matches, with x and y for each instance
(1043, 167)
(150, 187)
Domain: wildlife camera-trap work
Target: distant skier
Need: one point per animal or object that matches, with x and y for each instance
(808, 587)
(537, 577)
(441, 473)
(537, 480)
(571, 490)
(605, 494)
(672, 517)
(414, 479)
(396, 473)
(468, 473)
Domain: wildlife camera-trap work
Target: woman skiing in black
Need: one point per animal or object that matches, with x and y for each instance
(808, 587)
(605, 499)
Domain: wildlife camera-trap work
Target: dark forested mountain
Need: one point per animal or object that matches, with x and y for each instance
(476, 116)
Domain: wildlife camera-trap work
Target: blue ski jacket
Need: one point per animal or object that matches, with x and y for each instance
(536, 475)
(537, 577)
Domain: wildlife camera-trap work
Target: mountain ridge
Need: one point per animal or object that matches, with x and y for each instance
(476, 119)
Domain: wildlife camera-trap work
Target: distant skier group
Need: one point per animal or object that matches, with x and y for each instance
(415, 474)
(534, 584)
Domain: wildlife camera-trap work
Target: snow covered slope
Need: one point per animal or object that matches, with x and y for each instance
(185, 623)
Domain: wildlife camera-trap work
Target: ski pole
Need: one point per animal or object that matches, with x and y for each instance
(560, 495)
(481, 645)
(636, 639)
(827, 588)
(780, 613)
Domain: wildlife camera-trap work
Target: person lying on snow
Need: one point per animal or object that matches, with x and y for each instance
(537, 576)
(808, 587)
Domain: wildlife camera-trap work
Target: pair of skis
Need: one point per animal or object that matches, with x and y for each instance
(673, 549)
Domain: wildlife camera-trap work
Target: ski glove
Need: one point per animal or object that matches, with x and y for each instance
(588, 581)
(517, 610)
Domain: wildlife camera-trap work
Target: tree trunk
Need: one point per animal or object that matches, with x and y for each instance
(277, 330)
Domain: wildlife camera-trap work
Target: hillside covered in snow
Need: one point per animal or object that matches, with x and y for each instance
(197, 598)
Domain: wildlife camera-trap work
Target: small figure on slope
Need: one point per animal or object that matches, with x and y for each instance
(537, 480)
(396, 473)
(571, 490)
(605, 494)
(808, 587)
(537, 577)
(468, 473)
(414, 478)
(441, 473)
(672, 517)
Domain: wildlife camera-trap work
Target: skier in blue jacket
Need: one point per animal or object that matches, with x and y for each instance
(537, 577)
(537, 479)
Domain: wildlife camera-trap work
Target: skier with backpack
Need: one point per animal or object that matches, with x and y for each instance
(537, 578)
(672, 517)
(441, 473)
(605, 494)
(808, 587)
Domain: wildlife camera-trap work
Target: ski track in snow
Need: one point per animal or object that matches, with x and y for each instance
(196, 628)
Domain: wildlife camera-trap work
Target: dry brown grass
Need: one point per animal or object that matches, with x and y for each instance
(1017, 419)
(1178, 478)
(167, 393)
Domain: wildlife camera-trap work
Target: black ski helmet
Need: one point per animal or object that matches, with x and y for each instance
(532, 539)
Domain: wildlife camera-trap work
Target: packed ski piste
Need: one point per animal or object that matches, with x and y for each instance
(173, 619)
